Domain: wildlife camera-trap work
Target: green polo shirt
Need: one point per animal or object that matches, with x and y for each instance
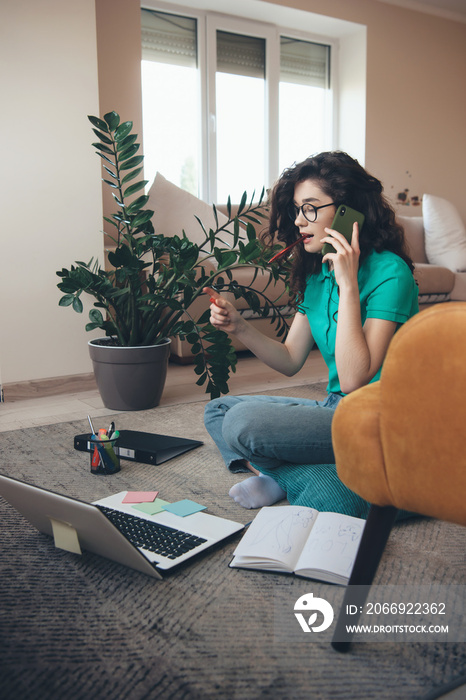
(387, 290)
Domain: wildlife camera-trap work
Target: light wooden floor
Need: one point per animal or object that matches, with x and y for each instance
(66, 404)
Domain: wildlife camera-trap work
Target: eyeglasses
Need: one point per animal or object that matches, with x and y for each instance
(309, 211)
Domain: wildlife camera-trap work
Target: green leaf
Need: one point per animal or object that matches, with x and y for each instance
(96, 317)
(201, 224)
(131, 163)
(67, 300)
(214, 209)
(226, 258)
(99, 123)
(119, 202)
(242, 203)
(123, 131)
(128, 152)
(102, 137)
(134, 188)
(142, 218)
(236, 232)
(78, 305)
(112, 119)
(110, 221)
(110, 172)
(131, 176)
(104, 157)
(137, 204)
(251, 232)
(204, 318)
(251, 251)
(212, 390)
(103, 148)
(126, 142)
(121, 256)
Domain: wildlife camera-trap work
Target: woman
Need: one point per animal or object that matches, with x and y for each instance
(350, 303)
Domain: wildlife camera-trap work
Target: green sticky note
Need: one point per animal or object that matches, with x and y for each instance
(184, 507)
(156, 506)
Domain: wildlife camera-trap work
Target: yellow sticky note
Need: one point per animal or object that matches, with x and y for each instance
(65, 536)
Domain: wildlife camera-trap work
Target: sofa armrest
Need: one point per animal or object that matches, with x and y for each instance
(414, 233)
(433, 279)
(458, 292)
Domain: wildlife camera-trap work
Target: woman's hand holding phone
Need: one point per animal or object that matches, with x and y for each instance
(341, 245)
(345, 259)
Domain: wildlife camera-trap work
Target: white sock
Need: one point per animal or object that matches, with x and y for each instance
(257, 491)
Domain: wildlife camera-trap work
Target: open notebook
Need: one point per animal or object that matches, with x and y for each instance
(153, 544)
(300, 540)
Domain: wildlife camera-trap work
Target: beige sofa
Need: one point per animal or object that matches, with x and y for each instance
(437, 283)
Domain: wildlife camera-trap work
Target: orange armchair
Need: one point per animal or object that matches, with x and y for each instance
(400, 443)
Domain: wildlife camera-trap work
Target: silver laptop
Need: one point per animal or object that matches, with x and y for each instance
(153, 544)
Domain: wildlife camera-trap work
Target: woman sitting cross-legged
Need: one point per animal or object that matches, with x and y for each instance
(350, 302)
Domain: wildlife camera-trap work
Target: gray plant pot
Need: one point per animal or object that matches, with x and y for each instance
(130, 379)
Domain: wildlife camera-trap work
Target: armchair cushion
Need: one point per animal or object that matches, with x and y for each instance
(403, 443)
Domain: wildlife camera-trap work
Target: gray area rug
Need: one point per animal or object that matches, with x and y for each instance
(84, 627)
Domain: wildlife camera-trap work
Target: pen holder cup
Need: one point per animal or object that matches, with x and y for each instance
(104, 456)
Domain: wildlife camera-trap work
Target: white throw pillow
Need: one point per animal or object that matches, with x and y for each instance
(445, 234)
(175, 210)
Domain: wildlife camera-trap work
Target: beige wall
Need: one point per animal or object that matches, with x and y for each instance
(50, 181)
(119, 67)
(416, 97)
(51, 202)
(416, 115)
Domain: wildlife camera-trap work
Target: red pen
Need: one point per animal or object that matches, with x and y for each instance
(95, 455)
(285, 250)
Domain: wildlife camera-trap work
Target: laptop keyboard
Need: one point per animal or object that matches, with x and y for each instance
(160, 539)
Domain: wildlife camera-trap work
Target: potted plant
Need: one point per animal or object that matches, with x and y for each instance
(144, 295)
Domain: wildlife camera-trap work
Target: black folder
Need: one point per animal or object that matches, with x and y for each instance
(148, 448)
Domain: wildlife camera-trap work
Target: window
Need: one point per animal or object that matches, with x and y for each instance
(240, 114)
(229, 103)
(170, 87)
(304, 100)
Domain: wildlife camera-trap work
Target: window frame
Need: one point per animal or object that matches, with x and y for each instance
(207, 24)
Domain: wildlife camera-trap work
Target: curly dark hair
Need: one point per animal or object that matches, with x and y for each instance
(345, 181)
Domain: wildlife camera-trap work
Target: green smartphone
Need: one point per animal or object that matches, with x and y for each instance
(343, 223)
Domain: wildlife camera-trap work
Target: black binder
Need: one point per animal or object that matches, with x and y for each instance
(148, 448)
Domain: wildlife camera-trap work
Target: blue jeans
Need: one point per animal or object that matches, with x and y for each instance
(269, 431)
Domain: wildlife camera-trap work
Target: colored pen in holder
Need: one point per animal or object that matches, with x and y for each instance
(104, 457)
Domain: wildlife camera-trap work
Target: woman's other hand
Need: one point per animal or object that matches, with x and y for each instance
(223, 314)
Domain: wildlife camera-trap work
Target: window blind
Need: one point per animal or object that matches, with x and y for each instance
(304, 62)
(168, 38)
(240, 55)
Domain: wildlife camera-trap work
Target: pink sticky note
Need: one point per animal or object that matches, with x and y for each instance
(140, 496)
